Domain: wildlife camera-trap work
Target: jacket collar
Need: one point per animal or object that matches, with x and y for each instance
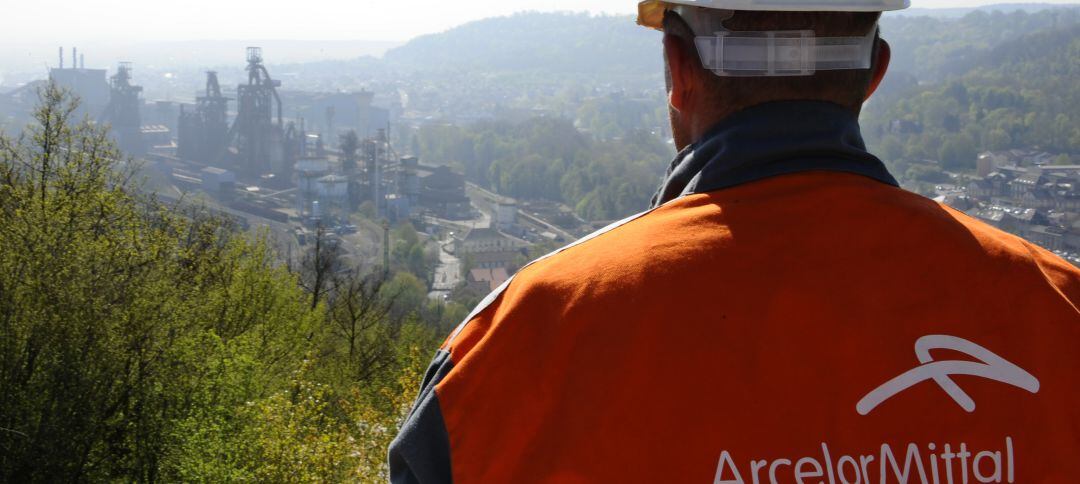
(769, 140)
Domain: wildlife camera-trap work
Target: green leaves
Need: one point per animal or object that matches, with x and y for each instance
(999, 82)
(142, 342)
(550, 159)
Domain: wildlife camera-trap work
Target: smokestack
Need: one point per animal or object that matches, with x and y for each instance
(75, 57)
(82, 61)
(61, 57)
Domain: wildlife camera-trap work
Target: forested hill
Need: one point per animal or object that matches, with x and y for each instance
(933, 48)
(552, 43)
(1040, 55)
(562, 48)
(927, 43)
(962, 11)
(986, 82)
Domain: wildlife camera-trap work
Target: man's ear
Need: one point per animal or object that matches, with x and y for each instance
(884, 55)
(681, 66)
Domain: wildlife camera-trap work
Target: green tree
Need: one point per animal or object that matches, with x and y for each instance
(959, 153)
(146, 342)
(120, 317)
(892, 149)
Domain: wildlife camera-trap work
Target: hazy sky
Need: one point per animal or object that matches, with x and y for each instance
(66, 21)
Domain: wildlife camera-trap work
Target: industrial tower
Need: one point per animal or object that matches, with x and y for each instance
(203, 134)
(259, 134)
(122, 112)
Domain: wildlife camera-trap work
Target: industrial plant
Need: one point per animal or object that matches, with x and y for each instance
(243, 151)
(302, 163)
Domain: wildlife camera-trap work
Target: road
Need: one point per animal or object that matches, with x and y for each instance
(447, 273)
(462, 226)
(486, 195)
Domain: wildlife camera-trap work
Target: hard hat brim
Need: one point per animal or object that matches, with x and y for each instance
(651, 12)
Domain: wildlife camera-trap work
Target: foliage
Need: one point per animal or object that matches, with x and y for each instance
(1012, 87)
(410, 253)
(546, 158)
(144, 342)
(546, 43)
(935, 49)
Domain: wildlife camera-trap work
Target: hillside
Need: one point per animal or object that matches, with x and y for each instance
(527, 54)
(546, 42)
(960, 12)
(928, 42)
(1019, 94)
(932, 49)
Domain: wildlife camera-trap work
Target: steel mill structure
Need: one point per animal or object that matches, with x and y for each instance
(203, 133)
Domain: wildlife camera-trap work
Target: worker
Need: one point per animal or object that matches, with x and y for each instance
(784, 312)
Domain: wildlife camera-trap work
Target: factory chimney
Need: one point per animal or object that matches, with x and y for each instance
(61, 57)
(82, 61)
(74, 57)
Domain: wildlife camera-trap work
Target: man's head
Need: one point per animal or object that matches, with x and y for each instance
(699, 98)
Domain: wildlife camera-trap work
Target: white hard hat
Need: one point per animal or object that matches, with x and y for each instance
(651, 12)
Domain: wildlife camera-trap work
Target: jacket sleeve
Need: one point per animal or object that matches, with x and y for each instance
(421, 452)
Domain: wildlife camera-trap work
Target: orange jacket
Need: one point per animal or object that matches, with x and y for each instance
(806, 325)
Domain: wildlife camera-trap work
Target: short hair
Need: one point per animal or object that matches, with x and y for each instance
(844, 87)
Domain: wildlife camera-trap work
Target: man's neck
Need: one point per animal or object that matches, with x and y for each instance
(704, 122)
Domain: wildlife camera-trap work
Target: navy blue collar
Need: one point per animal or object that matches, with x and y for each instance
(769, 140)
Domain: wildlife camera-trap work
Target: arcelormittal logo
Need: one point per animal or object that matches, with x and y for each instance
(989, 366)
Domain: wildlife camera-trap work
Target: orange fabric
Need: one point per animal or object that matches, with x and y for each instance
(747, 324)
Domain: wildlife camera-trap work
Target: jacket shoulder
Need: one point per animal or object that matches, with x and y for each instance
(570, 274)
(1060, 274)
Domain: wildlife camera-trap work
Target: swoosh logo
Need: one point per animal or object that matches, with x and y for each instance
(989, 366)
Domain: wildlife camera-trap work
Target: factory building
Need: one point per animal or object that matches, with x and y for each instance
(114, 100)
(91, 85)
(330, 112)
(162, 113)
(376, 156)
(218, 181)
(398, 207)
(506, 219)
(308, 173)
(259, 142)
(157, 138)
(203, 131)
(487, 248)
(409, 179)
(443, 192)
(333, 195)
(329, 185)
